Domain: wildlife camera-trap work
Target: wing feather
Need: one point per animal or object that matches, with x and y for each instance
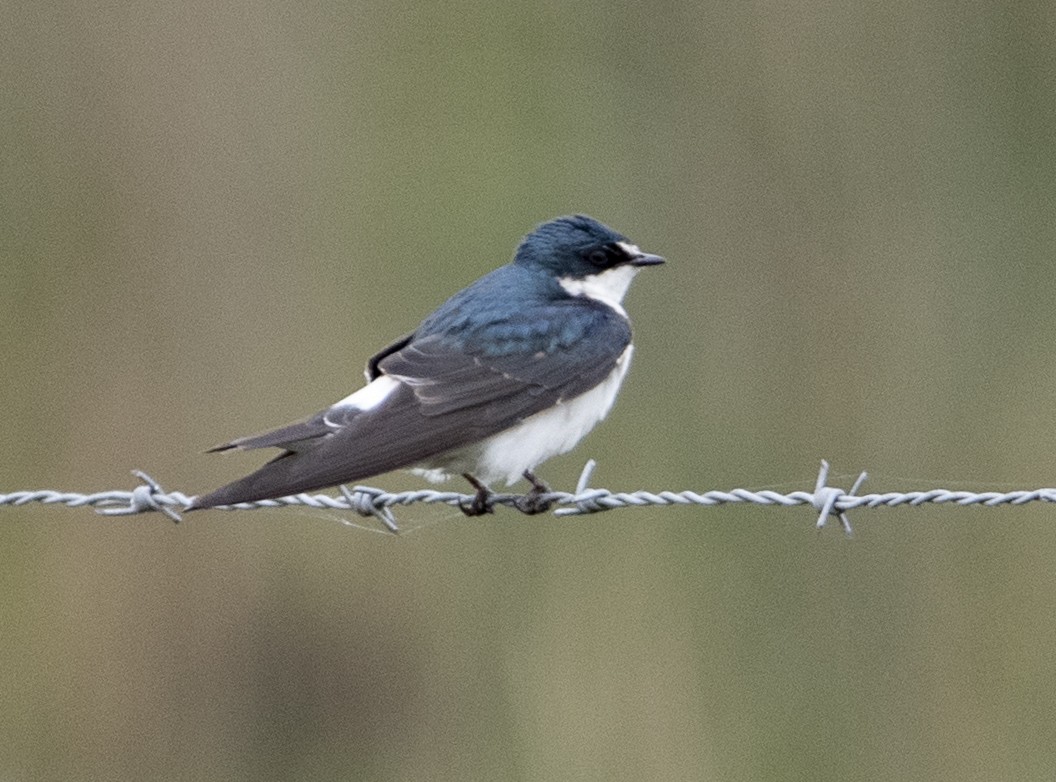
(452, 393)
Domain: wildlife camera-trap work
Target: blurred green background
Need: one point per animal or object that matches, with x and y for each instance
(213, 214)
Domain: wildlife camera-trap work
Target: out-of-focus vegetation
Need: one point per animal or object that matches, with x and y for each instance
(211, 215)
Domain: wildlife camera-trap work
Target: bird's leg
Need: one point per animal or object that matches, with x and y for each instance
(482, 502)
(533, 501)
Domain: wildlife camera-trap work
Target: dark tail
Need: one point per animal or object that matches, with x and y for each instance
(278, 478)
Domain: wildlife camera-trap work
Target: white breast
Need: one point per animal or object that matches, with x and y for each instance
(505, 456)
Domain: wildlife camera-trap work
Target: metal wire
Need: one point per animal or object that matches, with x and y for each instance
(827, 500)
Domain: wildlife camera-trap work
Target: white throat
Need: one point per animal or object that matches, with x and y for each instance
(609, 287)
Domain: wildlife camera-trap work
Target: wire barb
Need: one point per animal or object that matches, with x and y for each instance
(826, 497)
(585, 499)
(362, 499)
(827, 501)
(147, 497)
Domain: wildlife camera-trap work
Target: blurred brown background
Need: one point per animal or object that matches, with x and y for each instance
(212, 216)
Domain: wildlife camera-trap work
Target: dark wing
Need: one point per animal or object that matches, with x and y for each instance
(449, 394)
(373, 372)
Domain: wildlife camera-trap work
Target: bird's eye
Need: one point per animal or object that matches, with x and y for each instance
(599, 257)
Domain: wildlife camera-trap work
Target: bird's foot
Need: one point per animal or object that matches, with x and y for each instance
(534, 500)
(483, 501)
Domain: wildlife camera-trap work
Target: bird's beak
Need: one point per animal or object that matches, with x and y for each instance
(646, 260)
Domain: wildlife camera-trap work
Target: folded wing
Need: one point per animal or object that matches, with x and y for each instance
(439, 394)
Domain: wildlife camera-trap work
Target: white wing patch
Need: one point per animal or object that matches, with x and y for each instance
(368, 397)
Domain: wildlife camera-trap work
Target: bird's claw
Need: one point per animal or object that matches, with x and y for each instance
(534, 501)
(482, 502)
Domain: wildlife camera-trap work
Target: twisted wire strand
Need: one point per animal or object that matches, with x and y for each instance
(828, 501)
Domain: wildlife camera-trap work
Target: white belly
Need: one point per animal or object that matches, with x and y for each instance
(506, 455)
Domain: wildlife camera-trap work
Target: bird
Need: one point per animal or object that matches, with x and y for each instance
(510, 371)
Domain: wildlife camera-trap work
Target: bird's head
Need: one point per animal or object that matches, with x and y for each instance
(586, 257)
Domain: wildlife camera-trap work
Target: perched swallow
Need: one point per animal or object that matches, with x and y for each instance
(508, 372)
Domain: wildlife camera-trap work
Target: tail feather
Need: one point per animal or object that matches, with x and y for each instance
(289, 436)
(277, 478)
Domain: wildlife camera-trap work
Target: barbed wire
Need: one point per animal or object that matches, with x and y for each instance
(827, 500)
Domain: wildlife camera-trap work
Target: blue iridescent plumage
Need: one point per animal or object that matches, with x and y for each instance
(509, 371)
